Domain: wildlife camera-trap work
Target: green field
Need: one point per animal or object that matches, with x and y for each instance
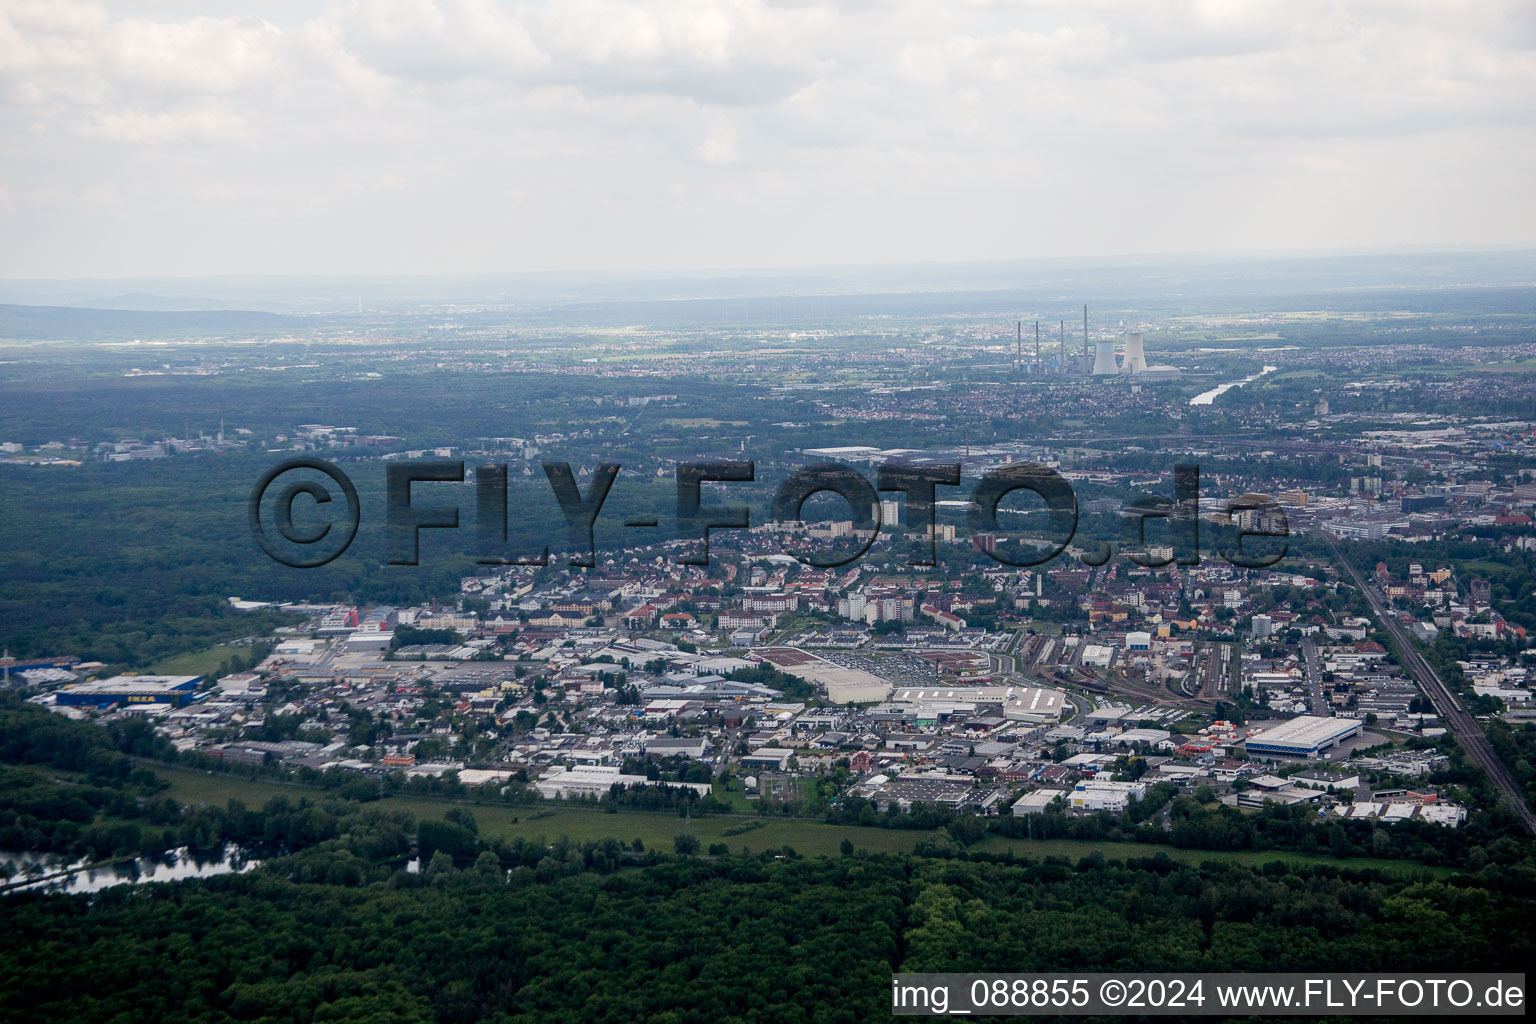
(733, 793)
(579, 823)
(196, 663)
(1077, 849)
(811, 838)
(1486, 568)
(192, 787)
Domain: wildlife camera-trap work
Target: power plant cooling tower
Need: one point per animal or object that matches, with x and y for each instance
(1135, 359)
(1104, 359)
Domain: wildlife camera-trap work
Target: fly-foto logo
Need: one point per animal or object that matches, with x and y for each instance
(273, 501)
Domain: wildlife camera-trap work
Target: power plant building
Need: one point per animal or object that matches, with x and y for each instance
(1132, 364)
(1099, 358)
(1135, 360)
(1104, 359)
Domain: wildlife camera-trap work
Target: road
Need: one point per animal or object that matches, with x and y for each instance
(1320, 704)
(1007, 663)
(1463, 726)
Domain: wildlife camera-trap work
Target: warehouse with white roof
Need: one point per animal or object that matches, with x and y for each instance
(1303, 736)
(1033, 704)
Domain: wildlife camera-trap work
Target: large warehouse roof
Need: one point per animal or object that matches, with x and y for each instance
(1304, 734)
(1020, 703)
(843, 685)
(137, 684)
(130, 690)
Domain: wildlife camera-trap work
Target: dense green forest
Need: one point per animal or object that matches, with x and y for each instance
(728, 939)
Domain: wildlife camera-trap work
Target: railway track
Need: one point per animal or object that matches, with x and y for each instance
(1463, 726)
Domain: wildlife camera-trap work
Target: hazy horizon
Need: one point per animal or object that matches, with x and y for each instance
(635, 271)
(1161, 280)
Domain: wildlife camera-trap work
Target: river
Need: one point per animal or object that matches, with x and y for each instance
(1207, 397)
(78, 878)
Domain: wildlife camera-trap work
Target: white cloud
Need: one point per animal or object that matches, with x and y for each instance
(719, 149)
(881, 131)
(206, 124)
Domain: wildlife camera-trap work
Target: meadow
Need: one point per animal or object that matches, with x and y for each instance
(753, 834)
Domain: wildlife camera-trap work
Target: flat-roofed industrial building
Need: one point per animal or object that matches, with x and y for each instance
(1303, 736)
(843, 685)
(1106, 794)
(1035, 704)
(177, 690)
(597, 780)
(938, 791)
(1036, 801)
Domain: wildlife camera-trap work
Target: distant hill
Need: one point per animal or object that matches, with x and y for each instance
(155, 302)
(68, 323)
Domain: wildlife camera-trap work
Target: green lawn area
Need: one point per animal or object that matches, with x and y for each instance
(1522, 366)
(579, 823)
(811, 838)
(1485, 568)
(193, 787)
(733, 793)
(1076, 849)
(196, 663)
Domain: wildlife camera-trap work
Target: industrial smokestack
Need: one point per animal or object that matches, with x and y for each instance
(1135, 359)
(1104, 359)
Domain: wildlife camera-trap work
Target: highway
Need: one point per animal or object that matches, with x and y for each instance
(1461, 725)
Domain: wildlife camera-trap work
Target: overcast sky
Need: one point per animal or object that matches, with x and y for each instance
(448, 136)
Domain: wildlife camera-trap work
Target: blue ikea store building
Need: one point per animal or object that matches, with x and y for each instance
(176, 690)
